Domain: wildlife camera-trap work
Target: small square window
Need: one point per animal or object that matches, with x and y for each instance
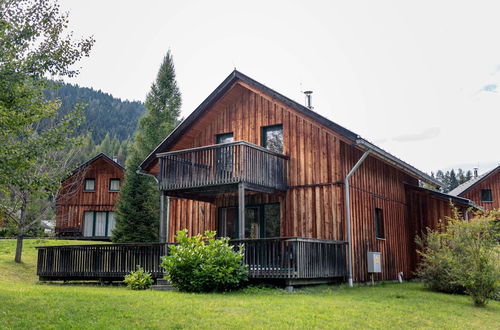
(486, 195)
(272, 138)
(379, 224)
(114, 184)
(89, 185)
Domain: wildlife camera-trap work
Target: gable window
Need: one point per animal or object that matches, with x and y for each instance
(272, 138)
(486, 195)
(114, 184)
(379, 224)
(89, 185)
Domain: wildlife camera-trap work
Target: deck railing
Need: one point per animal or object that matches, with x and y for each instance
(222, 164)
(269, 258)
(98, 261)
(294, 258)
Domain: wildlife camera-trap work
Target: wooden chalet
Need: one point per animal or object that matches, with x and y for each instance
(85, 205)
(484, 190)
(253, 164)
(310, 200)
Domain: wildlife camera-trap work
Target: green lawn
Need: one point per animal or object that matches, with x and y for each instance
(26, 304)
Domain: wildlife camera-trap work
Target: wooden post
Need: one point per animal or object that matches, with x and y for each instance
(241, 210)
(167, 220)
(163, 237)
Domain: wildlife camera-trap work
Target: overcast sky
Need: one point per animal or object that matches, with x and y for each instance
(421, 79)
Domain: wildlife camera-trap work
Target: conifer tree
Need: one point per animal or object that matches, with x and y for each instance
(138, 209)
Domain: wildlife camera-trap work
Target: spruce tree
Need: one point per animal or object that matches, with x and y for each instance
(138, 209)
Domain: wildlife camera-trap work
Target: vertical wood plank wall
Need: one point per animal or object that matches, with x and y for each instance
(73, 201)
(425, 211)
(491, 182)
(313, 206)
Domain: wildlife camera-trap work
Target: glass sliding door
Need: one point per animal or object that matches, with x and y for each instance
(98, 224)
(111, 223)
(88, 224)
(261, 221)
(224, 156)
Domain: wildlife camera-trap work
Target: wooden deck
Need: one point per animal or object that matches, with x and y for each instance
(272, 258)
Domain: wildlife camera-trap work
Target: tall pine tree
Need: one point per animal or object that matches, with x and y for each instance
(138, 210)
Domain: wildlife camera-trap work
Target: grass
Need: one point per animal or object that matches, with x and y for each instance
(26, 304)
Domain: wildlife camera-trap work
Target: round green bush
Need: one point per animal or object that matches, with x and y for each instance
(204, 264)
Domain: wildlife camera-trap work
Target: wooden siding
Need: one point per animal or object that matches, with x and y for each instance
(425, 211)
(73, 201)
(491, 182)
(313, 206)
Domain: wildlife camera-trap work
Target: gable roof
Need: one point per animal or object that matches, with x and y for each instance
(90, 161)
(238, 76)
(472, 182)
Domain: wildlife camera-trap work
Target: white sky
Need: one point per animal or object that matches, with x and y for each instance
(418, 78)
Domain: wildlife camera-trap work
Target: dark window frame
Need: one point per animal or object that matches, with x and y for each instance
(263, 131)
(379, 224)
(219, 136)
(119, 184)
(487, 193)
(85, 185)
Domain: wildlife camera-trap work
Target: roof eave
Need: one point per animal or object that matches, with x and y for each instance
(405, 167)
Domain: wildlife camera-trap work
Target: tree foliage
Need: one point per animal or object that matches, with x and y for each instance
(451, 178)
(104, 114)
(138, 208)
(463, 256)
(34, 44)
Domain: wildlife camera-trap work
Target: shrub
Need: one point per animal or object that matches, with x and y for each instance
(138, 280)
(204, 263)
(463, 257)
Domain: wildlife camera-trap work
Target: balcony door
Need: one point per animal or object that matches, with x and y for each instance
(224, 156)
(261, 221)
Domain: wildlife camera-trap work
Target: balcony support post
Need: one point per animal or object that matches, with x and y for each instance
(241, 210)
(162, 231)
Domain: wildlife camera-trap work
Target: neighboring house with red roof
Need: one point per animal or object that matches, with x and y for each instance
(484, 189)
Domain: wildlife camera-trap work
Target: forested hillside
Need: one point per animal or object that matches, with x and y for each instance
(103, 114)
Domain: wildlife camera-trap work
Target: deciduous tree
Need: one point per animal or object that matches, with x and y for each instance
(34, 45)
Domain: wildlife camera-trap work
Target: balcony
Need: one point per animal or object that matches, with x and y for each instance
(221, 168)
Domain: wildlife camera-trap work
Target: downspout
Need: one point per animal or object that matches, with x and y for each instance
(348, 212)
(164, 212)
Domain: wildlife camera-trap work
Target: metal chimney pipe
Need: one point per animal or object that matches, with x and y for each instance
(309, 99)
(475, 172)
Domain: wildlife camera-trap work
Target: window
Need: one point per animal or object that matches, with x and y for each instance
(272, 138)
(89, 185)
(261, 221)
(224, 138)
(379, 224)
(114, 184)
(98, 224)
(486, 195)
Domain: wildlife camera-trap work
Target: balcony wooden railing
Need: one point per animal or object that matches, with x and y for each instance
(221, 164)
(294, 258)
(110, 262)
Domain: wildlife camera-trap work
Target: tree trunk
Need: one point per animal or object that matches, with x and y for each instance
(20, 232)
(19, 247)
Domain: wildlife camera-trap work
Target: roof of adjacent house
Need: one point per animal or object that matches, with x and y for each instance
(93, 159)
(235, 76)
(455, 199)
(472, 182)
